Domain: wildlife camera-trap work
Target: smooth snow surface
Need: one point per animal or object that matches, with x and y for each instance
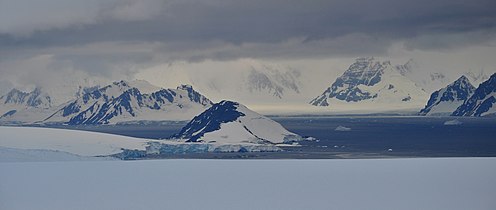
(81, 143)
(382, 184)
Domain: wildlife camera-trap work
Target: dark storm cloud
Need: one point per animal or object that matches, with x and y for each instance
(215, 29)
(273, 21)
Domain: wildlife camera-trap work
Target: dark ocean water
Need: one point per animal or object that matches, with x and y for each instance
(383, 136)
(394, 135)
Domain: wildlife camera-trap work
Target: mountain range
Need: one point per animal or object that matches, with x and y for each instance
(17, 106)
(246, 80)
(368, 85)
(115, 103)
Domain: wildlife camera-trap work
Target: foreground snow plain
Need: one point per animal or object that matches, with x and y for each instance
(420, 183)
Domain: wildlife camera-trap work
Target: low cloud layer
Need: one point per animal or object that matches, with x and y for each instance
(109, 37)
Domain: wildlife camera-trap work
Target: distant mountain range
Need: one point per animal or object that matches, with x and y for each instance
(368, 85)
(118, 102)
(35, 98)
(19, 107)
(244, 80)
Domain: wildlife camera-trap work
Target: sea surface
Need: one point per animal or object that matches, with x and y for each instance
(403, 136)
(361, 136)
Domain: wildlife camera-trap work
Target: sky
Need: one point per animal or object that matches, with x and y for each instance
(44, 41)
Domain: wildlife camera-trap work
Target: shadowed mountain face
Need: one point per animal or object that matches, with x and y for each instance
(446, 100)
(210, 120)
(482, 101)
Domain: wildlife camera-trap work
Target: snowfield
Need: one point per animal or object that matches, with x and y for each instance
(81, 143)
(28, 144)
(396, 184)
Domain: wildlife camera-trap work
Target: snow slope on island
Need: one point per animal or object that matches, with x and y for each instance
(257, 124)
(382, 184)
(82, 143)
(229, 122)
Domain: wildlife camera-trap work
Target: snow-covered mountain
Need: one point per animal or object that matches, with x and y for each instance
(408, 68)
(425, 77)
(5, 86)
(122, 101)
(35, 98)
(273, 82)
(446, 100)
(21, 107)
(372, 84)
(482, 102)
(434, 77)
(245, 80)
(229, 122)
(476, 78)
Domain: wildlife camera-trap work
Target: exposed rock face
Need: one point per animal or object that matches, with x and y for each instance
(482, 101)
(446, 100)
(368, 79)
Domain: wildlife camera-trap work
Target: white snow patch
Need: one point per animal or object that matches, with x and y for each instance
(342, 128)
(453, 122)
(311, 139)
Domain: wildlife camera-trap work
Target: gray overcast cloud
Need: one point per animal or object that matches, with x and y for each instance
(103, 36)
